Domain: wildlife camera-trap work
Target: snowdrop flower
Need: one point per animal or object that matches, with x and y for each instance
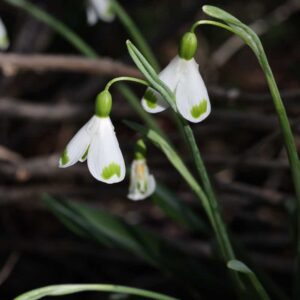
(4, 41)
(142, 184)
(182, 76)
(97, 143)
(99, 10)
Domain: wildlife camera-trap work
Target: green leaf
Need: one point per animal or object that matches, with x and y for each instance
(68, 289)
(178, 210)
(238, 266)
(113, 232)
(150, 74)
(256, 287)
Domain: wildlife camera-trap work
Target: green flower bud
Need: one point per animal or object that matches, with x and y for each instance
(103, 104)
(188, 46)
(140, 150)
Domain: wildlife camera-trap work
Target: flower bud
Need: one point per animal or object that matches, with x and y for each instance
(103, 104)
(188, 46)
(140, 150)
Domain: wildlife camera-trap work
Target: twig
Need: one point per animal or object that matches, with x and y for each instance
(9, 266)
(42, 63)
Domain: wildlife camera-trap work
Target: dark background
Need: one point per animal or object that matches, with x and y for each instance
(239, 141)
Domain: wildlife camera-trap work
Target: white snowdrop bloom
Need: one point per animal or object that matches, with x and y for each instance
(99, 10)
(142, 184)
(97, 143)
(183, 78)
(4, 41)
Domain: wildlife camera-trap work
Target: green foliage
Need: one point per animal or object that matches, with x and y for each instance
(68, 289)
(111, 231)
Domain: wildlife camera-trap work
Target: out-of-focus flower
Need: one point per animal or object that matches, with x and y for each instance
(182, 76)
(142, 183)
(97, 143)
(4, 41)
(99, 10)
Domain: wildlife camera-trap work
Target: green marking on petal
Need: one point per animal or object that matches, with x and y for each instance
(150, 98)
(4, 42)
(200, 109)
(64, 157)
(85, 154)
(111, 170)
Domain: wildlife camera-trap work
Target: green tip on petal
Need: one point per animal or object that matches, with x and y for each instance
(200, 109)
(64, 157)
(4, 42)
(103, 104)
(150, 98)
(84, 157)
(140, 150)
(188, 46)
(111, 170)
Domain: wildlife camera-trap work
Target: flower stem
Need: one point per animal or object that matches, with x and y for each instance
(125, 78)
(135, 33)
(288, 137)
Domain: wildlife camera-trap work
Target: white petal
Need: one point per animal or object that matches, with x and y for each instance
(140, 177)
(191, 95)
(78, 144)
(91, 14)
(105, 159)
(103, 9)
(151, 185)
(4, 41)
(152, 101)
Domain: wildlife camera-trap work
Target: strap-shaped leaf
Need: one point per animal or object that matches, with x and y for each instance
(175, 208)
(259, 291)
(112, 231)
(68, 289)
(150, 74)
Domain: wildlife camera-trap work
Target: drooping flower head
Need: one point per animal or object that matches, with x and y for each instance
(99, 10)
(97, 143)
(142, 183)
(4, 41)
(182, 76)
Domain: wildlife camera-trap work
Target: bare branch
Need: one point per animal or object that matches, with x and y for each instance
(13, 63)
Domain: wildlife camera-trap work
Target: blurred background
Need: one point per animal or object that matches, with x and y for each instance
(43, 105)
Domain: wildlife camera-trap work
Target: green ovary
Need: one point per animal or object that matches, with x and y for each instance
(150, 98)
(200, 109)
(64, 157)
(111, 170)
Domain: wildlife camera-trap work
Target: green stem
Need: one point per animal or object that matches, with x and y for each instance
(68, 289)
(213, 23)
(220, 227)
(135, 33)
(125, 78)
(291, 149)
(288, 137)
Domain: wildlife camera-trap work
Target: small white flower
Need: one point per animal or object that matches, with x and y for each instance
(142, 184)
(183, 78)
(99, 10)
(4, 41)
(96, 141)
